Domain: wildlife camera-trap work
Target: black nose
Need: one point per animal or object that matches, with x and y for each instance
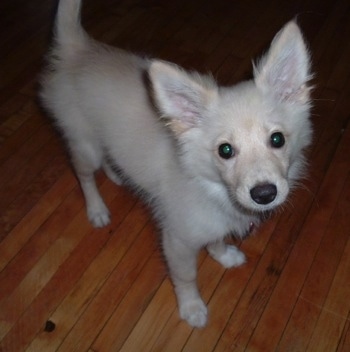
(264, 193)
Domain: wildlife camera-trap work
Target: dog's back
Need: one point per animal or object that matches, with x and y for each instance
(98, 98)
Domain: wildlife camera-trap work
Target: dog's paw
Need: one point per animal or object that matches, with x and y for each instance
(112, 175)
(195, 313)
(99, 217)
(115, 178)
(232, 257)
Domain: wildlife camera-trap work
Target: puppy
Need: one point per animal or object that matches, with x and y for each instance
(211, 160)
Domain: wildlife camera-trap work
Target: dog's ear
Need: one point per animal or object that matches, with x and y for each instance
(181, 97)
(285, 70)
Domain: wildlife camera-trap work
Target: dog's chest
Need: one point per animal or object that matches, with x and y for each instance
(218, 222)
(207, 216)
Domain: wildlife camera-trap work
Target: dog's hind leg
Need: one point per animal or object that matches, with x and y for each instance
(227, 255)
(86, 160)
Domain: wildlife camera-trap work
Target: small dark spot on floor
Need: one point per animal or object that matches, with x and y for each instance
(50, 326)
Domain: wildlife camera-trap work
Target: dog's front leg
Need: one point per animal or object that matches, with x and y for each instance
(182, 263)
(228, 256)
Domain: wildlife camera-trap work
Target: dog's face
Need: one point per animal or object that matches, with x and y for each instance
(249, 137)
(257, 143)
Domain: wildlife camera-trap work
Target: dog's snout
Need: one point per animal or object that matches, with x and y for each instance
(264, 193)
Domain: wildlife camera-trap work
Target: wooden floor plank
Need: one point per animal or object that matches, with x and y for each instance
(124, 318)
(14, 305)
(325, 263)
(31, 193)
(28, 149)
(110, 295)
(35, 218)
(39, 243)
(34, 319)
(333, 318)
(15, 131)
(152, 321)
(76, 304)
(326, 42)
(25, 171)
(42, 278)
(344, 341)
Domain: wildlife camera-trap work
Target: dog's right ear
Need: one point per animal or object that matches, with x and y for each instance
(182, 98)
(285, 70)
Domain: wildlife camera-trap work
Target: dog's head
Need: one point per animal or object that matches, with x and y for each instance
(249, 137)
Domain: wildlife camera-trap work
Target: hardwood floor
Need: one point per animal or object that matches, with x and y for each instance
(65, 286)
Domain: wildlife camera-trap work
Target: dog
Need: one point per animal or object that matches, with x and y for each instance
(211, 160)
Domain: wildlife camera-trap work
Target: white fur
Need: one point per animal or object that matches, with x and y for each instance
(164, 138)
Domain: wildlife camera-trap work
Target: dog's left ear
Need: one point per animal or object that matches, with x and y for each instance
(285, 70)
(181, 97)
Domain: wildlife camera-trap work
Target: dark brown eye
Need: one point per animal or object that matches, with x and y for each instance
(226, 151)
(277, 140)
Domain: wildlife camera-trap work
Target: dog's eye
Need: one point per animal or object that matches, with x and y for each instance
(226, 151)
(277, 140)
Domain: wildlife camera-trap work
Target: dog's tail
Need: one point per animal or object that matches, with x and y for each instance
(69, 34)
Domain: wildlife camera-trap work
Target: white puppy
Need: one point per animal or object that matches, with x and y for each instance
(211, 159)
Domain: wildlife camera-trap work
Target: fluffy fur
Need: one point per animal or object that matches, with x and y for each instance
(205, 155)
